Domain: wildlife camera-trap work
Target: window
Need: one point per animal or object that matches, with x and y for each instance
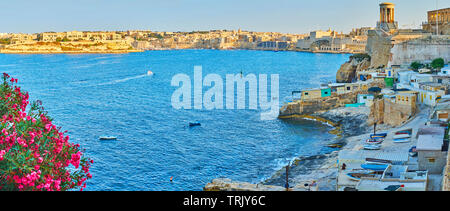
(326, 93)
(306, 93)
(348, 88)
(431, 160)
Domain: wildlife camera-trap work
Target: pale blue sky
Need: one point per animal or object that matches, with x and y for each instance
(290, 16)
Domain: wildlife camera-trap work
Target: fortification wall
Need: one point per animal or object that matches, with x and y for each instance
(422, 50)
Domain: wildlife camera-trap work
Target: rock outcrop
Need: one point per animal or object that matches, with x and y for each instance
(347, 72)
(223, 184)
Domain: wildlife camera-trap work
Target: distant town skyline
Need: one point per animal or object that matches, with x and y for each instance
(286, 16)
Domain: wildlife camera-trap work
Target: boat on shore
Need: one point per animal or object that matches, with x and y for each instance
(374, 141)
(402, 136)
(378, 135)
(408, 131)
(402, 140)
(358, 175)
(374, 166)
(372, 146)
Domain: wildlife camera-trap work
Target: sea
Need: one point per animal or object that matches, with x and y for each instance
(91, 95)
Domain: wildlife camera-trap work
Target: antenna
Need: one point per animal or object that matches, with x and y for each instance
(437, 16)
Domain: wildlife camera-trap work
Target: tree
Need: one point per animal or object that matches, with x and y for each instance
(438, 63)
(416, 65)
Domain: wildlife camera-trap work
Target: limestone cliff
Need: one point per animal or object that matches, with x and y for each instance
(347, 72)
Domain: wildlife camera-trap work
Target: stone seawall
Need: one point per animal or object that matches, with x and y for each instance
(423, 49)
(300, 108)
(223, 184)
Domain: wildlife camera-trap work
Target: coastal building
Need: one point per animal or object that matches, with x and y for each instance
(441, 112)
(331, 41)
(23, 38)
(438, 22)
(432, 149)
(366, 99)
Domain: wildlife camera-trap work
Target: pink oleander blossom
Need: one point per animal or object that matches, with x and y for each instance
(34, 154)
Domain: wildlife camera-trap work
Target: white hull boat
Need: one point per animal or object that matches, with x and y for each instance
(402, 136)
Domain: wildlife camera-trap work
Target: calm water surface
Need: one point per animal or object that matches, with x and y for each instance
(94, 95)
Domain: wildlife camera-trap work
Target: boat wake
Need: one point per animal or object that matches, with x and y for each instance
(123, 80)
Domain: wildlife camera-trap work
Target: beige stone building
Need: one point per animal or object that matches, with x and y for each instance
(438, 22)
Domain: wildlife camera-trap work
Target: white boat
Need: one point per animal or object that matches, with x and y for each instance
(402, 136)
(107, 138)
(149, 73)
(372, 146)
(402, 140)
(374, 141)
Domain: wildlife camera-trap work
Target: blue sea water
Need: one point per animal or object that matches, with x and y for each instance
(110, 94)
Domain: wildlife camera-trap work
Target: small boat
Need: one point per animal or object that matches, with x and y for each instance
(379, 135)
(375, 167)
(357, 176)
(107, 138)
(402, 140)
(374, 141)
(194, 124)
(335, 145)
(409, 131)
(372, 146)
(149, 73)
(402, 136)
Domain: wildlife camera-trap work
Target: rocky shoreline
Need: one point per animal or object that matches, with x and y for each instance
(348, 122)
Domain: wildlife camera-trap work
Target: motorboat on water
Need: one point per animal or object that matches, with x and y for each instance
(150, 72)
(194, 124)
(108, 138)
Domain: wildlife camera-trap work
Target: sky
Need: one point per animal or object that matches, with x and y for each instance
(286, 16)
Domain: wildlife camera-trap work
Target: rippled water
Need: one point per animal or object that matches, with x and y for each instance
(94, 95)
